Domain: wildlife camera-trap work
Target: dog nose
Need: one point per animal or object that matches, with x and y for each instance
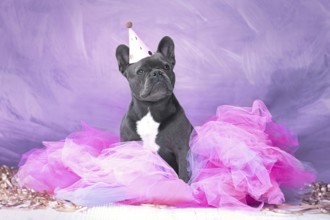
(157, 73)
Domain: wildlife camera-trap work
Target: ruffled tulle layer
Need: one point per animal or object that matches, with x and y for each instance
(238, 159)
(241, 158)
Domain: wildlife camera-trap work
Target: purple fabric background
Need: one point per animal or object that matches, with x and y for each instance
(57, 65)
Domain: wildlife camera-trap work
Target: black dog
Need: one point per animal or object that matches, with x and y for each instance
(155, 115)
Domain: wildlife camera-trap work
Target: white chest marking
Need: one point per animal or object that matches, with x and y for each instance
(147, 128)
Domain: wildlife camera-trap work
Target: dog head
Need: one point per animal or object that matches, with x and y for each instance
(152, 78)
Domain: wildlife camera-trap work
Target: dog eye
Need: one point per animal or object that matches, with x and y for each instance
(140, 71)
(166, 67)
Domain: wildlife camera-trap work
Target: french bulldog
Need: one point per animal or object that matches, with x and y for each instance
(154, 114)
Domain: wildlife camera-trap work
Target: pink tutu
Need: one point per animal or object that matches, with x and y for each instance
(238, 159)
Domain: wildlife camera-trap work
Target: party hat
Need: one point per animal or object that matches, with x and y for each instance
(137, 49)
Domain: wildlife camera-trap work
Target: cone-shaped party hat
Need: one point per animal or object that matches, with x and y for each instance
(137, 49)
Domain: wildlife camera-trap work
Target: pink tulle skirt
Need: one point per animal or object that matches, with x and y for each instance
(240, 158)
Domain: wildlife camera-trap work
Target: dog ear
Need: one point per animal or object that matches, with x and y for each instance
(166, 47)
(122, 55)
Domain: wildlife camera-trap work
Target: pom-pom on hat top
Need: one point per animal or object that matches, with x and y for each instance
(137, 49)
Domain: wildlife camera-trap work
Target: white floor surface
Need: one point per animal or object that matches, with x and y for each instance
(152, 213)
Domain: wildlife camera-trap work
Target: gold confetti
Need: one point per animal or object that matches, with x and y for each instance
(316, 199)
(14, 196)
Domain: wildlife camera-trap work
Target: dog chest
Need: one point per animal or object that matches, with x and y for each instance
(147, 128)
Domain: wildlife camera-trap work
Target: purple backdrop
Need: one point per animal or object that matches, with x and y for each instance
(57, 65)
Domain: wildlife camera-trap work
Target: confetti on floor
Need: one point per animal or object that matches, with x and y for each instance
(22, 203)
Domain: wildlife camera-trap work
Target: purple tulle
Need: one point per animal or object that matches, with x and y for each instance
(238, 159)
